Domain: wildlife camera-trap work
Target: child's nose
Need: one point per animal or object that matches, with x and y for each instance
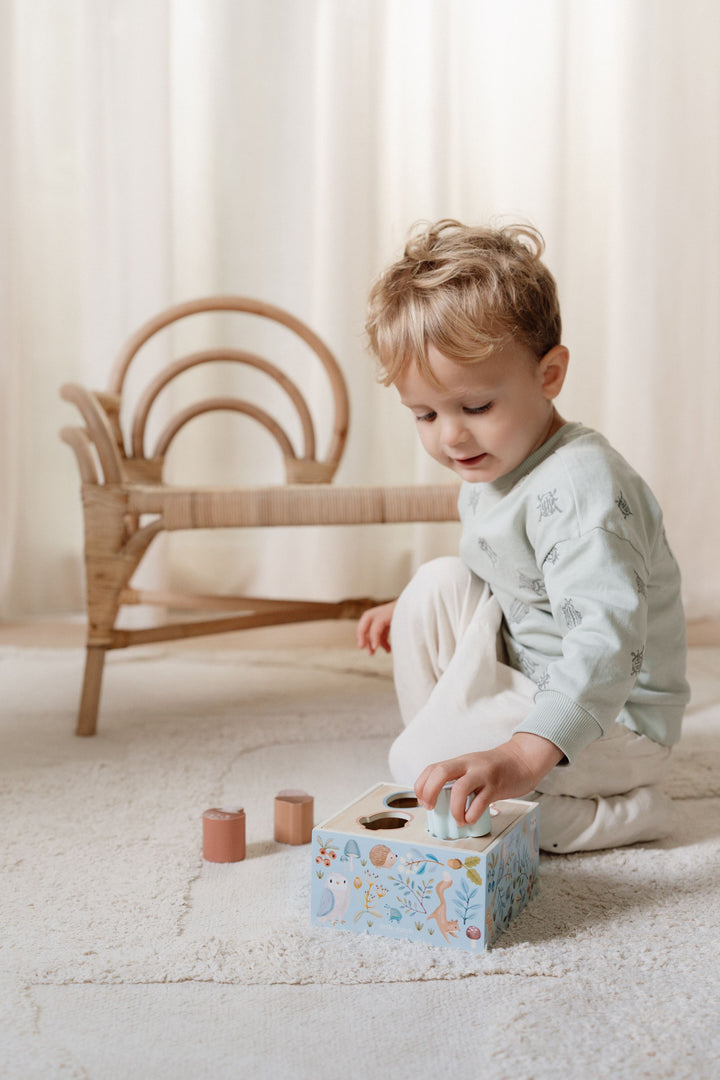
(454, 431)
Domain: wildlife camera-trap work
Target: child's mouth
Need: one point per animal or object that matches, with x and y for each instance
(470, 461)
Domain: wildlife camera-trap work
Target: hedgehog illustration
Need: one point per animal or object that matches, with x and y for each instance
(381, 855)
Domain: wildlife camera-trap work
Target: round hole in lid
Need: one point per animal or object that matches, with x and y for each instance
(384, 820)
(402, 800)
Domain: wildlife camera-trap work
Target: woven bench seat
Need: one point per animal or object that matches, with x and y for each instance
(297, 504)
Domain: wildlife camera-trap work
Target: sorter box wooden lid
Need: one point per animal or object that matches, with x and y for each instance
(375, 801)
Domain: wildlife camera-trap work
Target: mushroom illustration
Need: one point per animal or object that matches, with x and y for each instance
(474, 934)
(350, 852)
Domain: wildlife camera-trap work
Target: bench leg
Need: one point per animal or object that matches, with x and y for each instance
(92, 683)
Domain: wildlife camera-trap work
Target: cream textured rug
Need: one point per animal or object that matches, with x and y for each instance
(122, 952)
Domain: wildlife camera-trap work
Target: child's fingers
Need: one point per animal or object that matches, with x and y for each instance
(361, 630)
(462, 790)
(477, 807)
(465, 786)
(364, 631)
(373, 628)
(420, 786)
(434, 778)
(375, 634)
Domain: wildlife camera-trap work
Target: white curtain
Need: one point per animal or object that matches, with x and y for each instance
(156, 150)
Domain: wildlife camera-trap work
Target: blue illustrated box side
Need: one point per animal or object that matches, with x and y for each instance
(388, 887)
(512, 875)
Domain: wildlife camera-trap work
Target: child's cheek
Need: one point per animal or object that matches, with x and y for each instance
(426, 438)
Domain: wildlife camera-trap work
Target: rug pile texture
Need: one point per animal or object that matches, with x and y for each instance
(122, 951)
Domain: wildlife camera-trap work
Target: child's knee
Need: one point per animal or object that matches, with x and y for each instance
(435, 610)
(439, 577)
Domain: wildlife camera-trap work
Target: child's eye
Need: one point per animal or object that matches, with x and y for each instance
(473, 410)
(426, 416)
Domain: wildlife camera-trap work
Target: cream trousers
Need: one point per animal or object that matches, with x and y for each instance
(456, 696)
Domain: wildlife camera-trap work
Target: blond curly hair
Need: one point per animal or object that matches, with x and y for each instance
(466, 290)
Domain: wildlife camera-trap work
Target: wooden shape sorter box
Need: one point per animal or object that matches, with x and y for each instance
(377, 870)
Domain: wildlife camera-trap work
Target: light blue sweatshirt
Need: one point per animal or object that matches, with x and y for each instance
(572, 545)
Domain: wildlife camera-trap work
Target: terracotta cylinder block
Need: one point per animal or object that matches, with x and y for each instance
(293, 817)
(224, 834)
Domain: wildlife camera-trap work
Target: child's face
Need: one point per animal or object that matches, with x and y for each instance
(486, 417)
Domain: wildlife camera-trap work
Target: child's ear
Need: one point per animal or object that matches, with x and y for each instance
(553, 369)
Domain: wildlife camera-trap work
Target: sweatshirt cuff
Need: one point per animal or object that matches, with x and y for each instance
(561, 720)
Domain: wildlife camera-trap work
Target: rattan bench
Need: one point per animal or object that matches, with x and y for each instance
(123, 487)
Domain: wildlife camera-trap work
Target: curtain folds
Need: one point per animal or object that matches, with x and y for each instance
(153, 152)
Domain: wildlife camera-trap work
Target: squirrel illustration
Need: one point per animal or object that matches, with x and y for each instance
(448, 927)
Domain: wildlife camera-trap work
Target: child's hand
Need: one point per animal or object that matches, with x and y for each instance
(510, 771)
(373, 629)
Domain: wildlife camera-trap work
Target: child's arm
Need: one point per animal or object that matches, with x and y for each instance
(510, 771)
(373, 629)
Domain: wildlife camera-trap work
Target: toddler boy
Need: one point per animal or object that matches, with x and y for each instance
(548, 660)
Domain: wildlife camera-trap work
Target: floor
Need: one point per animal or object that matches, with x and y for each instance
(198, 1030)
